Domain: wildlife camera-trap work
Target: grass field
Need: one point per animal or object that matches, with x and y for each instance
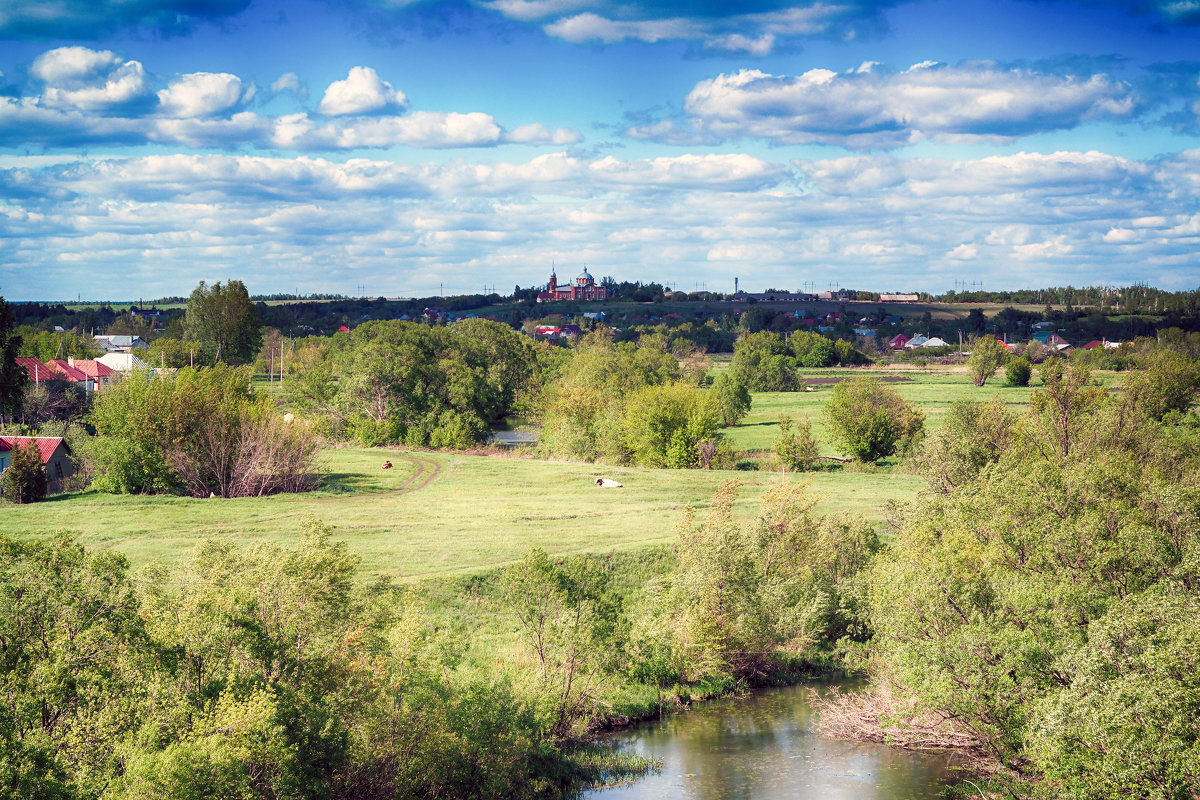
(439, 514)
(931, 389)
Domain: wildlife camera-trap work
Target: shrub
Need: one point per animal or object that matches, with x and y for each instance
(797, 449)
(871, 421)
(1018, 372)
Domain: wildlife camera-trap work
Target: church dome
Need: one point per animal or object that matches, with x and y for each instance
(585, 278)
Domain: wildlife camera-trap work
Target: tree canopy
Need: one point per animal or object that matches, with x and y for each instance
(222, 320)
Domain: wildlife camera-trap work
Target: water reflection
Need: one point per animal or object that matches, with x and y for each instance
(765, 747)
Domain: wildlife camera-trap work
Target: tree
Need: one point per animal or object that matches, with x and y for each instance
(1167, 382)
(569, 618)
(1018, 371)
(797, 449)
(222, 319)
(987, 355)
(13, 377)
(25, 480)
(871, 421)
(732, 398)
(781, 582)
(973, 436)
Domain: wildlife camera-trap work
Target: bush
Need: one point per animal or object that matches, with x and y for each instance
(25, 480)
(987, 355)
(871, 421)
(202, 431)
(1018, 372)
(797, 449)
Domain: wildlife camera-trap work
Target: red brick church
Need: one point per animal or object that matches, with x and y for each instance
(584, 288)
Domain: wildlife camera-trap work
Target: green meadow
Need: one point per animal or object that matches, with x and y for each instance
(438, 514)
(451, 514)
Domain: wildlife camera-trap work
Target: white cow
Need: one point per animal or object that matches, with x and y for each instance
(608, 483)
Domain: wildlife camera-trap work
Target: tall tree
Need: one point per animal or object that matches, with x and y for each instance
(13, 377)
(222, 319)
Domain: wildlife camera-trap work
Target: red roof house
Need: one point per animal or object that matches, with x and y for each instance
(97, 373)
(898, 341)
(38, 370)
(53, 450)
(67, 372)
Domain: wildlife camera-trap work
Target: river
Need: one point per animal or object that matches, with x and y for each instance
(765, 747)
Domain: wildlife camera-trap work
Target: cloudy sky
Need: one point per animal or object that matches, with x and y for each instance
(406, 147)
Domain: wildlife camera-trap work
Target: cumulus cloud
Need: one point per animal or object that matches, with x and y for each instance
(96, 97)
(536, 133)
(873, 109)
(362, 92)
(1079, 217)
(85, 79)
(202, 94)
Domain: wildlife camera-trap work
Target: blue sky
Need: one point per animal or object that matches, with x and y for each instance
(407, 147)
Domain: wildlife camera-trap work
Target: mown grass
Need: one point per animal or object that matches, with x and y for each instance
(932, 390)
(478, 513)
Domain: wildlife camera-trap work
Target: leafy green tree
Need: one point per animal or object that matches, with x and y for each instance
(45, 345)
(870, 421)
(1049, 606)
(973, 435)
(200, 431)
(73, 651)
(570, 619)
(796, 447)
(765, 362)
(1064, 409)
(25, 479)
(782, 582)
(732, 398)
(1168, 381)
(987, 356)
(13, 377)
(664, 425)
(1018, 371)
(223, 321)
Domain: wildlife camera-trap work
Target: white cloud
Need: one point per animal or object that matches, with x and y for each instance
(873, 109)
(289, 82)
(80, 78)
(93, 98)
(202, 94)
(536, 133)
(721, 29)
(1021, 219)
(362, 92)
(590, 27)
(1041, 251)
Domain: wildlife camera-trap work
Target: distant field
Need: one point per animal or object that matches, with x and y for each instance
(930, 389)
(476, 512)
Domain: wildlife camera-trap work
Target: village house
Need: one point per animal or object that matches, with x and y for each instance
(55, 455)
(122, 362)
(121, 344)
(99, 374)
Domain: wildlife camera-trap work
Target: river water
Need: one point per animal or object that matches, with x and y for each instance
(765, 747)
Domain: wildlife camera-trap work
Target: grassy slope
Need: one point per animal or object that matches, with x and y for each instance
(477, 513)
